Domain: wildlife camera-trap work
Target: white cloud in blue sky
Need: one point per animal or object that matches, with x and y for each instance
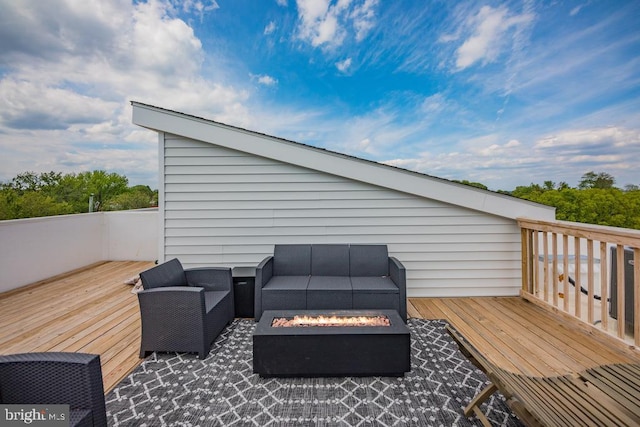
(501, 92)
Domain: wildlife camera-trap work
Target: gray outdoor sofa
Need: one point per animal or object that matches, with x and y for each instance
(330, 276)
(184, 310)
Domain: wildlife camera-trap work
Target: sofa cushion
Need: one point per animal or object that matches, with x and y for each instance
(374, 285)
(376, 301)
(292, 260)
(329, 293)
(368, 260)
(169, 273)
(329, 283)
(330, 260)
(287, 283)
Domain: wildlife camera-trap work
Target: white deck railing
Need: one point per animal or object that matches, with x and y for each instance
(38, 248)
(588, 271)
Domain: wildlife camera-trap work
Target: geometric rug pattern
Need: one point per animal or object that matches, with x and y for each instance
(176, 389)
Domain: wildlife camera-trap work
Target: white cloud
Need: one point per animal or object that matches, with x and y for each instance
(265, 80)
(282, 3)
(327, 23)
(583, 139)
(270, 28)
(343, 66)
(489, 35)
(197, 6)
(31, 105)
(433, 104)
(578, 8)
(364, 18)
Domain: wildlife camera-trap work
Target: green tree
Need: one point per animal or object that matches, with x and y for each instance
(600, 180)
(52, 193)
(138, 197)
(103, 186)
(473, 184)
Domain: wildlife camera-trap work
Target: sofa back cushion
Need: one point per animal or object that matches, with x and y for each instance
(330, 260)
(369, 260)
(292, 260)
(169, 273)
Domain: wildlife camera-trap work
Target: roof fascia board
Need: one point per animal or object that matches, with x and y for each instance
(162, 120)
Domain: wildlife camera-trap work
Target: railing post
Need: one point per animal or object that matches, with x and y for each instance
(528, 262)
(622, 320)
(604, 289)
(636, 296)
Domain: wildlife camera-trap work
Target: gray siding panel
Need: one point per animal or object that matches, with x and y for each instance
(225, 207)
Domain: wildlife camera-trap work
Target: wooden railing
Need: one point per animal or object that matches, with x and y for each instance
(587, 271)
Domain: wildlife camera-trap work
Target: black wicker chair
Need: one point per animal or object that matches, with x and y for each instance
(184, 310)
(73, 379)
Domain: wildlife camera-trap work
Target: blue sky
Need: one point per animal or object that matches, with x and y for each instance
(504, 93)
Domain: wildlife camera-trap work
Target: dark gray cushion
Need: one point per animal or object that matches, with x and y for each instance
(287, 283)
(292, 260)
(329, 293)
(376, 301)
(330, 260)
(374, 285)
(369, 260)
(169, 273)
(284, 299)
(329, 283)
(332, 300)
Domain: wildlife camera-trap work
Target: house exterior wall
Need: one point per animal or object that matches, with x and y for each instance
(224, 207)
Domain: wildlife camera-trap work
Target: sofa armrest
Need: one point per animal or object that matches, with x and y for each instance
(210, 278)
(398, 275)
(264, 273)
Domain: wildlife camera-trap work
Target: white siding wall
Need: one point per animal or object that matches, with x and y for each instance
(224, 207)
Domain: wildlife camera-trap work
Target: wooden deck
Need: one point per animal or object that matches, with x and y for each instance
(91, 310)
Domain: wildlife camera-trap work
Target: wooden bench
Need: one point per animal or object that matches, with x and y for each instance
(608, 395)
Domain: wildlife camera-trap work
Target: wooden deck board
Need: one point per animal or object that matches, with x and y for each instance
(91, 310)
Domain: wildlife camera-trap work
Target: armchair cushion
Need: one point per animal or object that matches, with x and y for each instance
(169, 273)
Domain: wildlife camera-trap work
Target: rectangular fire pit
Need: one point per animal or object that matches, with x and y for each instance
(324, 351)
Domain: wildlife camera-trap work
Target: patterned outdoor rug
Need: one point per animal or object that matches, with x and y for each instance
(181, 390)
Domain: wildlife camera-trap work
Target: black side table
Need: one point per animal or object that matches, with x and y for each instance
(244, 280)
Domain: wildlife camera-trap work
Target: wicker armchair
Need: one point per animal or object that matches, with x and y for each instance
(73, 379)
(184, 310)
